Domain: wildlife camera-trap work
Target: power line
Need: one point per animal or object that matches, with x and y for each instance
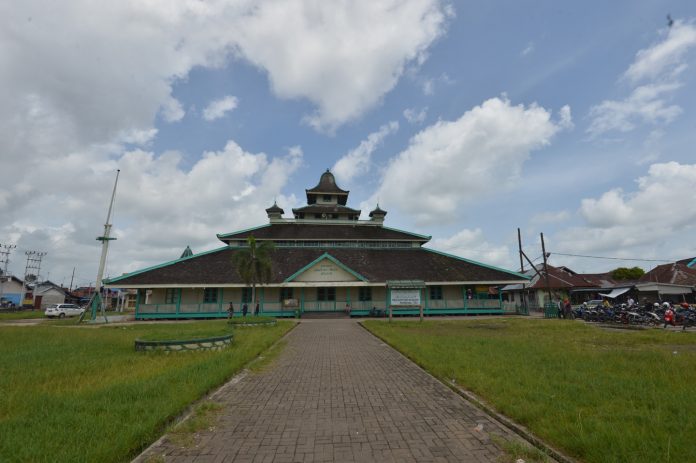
(610, 258)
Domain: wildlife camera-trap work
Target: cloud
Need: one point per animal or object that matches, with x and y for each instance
(357, 161)
(550, 217)
(451, 163)
(218, 108)
(650, 222)
(659, 67)
(528, 49)
(82, 98)
(471, 244)
(339, 55)
(665, 56)
(160, 207)
(172, 111)
(414, 116)
(646, 104)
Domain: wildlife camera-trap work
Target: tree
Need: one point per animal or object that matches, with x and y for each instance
(625, 273)
(254, 265)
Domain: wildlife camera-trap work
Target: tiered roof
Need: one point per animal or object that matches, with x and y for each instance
(375, 265)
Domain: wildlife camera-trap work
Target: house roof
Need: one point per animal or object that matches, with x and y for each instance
(326, 209)
(323, 232)
(675, 274)
(275, 208)
(689, 262)
(377, 210)
(560, 278)
(375, 265)
(327, 184)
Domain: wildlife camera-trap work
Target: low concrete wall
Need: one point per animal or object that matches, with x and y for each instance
(214, 343)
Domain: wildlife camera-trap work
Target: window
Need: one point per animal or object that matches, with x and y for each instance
(170, 295)
(210, 295)
(285, 293)
(327, 198)
(435, 293)
(246, 295)
(326, 294)
(365, 294)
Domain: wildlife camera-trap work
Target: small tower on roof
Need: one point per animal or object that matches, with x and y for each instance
(377, 214)
(187, 252)
(327, 192)
(275, 213)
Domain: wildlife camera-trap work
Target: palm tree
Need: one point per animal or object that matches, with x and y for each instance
(254, 264)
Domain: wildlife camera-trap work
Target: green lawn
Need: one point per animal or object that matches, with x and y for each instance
(22, 315)
(600, 395)
(82, 394)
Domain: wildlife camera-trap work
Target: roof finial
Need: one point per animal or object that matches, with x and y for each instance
(327, 169)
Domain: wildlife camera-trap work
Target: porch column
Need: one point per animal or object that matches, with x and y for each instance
(178, 302)
(263, 295)
(137, 302)
(221, 292)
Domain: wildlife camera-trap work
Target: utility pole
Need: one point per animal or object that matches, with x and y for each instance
(105, 238)
(33, 263)
(546, 268)
(5, 250)
(522, 294)
(72, 278)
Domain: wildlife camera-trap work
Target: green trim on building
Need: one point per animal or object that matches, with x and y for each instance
(492, 267)
(425, 237)
(225, 235)
(155, 267)
(326, 255)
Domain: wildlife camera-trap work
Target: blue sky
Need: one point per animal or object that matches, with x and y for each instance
(464, 120)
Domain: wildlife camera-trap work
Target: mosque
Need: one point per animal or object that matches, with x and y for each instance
(325, 259)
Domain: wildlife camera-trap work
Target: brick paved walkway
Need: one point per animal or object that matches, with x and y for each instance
(336, 393)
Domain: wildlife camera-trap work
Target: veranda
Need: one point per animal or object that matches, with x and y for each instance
(286, 301)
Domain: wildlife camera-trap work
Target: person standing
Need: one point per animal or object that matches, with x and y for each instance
(230, 311)
(245, 309)
(256, 309)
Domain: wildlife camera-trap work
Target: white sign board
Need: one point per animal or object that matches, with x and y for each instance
(405, 297)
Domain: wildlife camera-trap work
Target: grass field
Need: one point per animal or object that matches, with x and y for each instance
(600, 395)
(82, 394)
(21, 315)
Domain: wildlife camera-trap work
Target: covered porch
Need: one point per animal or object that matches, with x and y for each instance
(356, 300)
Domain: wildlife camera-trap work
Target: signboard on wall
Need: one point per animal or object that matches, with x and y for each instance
(405, 297)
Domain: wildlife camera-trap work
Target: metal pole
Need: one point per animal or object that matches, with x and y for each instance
(105, 248)
(72, 278)
(523, 298)
(5, 261)
(546, 269)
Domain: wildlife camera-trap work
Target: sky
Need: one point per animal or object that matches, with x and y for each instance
(463, 120)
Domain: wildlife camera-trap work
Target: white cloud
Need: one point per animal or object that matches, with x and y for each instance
(218, 108)
(650, 222)
(451, 163)
(660, 66)
(160, 207)
(342, 56)
(528, 49)
(550, 217)
(172, 111)
(76, 94)
(358, 160)
(414, 116)
(646, 104)
(471, 244)
(665, 56)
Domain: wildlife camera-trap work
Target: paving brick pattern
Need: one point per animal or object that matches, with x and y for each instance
(337, 393)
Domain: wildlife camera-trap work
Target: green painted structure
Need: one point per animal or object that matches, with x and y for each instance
(325, 260)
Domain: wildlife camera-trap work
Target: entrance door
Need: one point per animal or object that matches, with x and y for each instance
(324, 301)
